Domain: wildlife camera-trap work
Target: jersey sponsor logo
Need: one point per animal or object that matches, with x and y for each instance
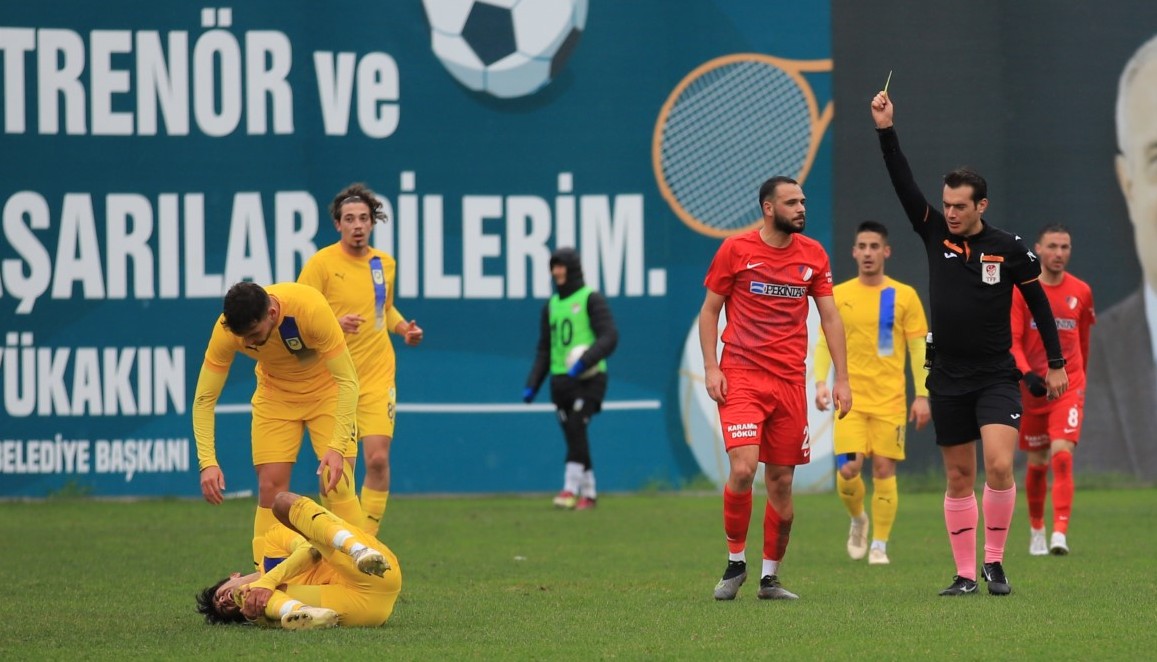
(1063, 324)
(752, 265)
(742, 430)
(778, 290)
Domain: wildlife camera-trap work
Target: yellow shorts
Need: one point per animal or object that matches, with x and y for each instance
(870, 434)
(377, 409)
(278, 426)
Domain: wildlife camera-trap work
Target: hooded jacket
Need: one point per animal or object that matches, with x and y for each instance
(599, 312)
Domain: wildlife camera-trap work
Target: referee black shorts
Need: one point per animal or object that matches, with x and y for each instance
(958, 418)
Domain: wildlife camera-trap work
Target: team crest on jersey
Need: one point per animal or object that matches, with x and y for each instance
(1071, 302)
(378, 276)
(990, 273)
(805, 272)
(576, 309)
(294, 344)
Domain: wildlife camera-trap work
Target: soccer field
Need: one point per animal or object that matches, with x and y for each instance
(510, 578)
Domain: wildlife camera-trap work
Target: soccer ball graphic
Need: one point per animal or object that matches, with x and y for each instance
(505, 48)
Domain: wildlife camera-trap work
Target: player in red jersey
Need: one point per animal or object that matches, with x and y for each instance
(1050, 429)
(764, 277)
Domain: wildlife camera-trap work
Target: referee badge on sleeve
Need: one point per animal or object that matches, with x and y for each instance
(990, 268)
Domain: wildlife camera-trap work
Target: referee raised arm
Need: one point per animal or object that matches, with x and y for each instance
(972, 384)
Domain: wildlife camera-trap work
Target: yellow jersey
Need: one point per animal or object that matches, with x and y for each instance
(291, 364)
(882, 325)
(363, 286)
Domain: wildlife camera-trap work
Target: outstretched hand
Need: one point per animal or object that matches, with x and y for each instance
(882, 110)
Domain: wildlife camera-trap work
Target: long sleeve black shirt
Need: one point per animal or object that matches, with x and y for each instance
(970, 279)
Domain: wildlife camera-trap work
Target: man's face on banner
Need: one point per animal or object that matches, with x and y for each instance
(1137, 166)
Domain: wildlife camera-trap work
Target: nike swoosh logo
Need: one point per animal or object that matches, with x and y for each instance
(947, 254)
(754, 265)
(996, 528)
(956, 533)
(1069, 430)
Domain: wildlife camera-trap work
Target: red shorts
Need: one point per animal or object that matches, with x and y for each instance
(769, 412)
(1061, 420)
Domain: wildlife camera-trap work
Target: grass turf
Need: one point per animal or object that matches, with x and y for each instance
(510, 578)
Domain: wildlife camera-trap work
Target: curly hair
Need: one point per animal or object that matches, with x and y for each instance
(358, 193)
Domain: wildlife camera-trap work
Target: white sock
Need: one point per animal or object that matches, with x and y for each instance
(770, 568)
(880, 545)
(740, 556)
(572, 477)
(588, 484)
(290, 605)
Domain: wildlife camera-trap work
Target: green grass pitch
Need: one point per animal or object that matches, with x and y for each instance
(510, 578)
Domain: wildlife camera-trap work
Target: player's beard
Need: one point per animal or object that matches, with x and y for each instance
(785, 225)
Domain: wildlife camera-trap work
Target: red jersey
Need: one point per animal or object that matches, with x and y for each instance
(766, 290)
(1072, 304)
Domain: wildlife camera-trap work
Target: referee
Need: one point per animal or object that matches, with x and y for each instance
(972, 384)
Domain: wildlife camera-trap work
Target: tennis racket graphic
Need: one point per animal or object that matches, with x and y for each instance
(729, 125)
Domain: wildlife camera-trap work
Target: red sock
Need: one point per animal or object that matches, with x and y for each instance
(776, 533)
(736, 519)
(998, 506)
(1036, 485)
(960, 516)
(1062, 490)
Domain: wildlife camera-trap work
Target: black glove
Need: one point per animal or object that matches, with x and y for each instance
(1035, 384)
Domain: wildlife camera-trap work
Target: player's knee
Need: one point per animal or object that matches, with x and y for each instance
(741, 478)
(281, 505)
(377, 462)
(849, 471)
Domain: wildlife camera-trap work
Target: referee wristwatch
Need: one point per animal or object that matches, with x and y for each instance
(1056, 364)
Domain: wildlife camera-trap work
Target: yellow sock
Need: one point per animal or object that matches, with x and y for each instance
(343, 499)
(851, 493)
(321, 526)
(262, 521)
(374, 506)
(885, 502)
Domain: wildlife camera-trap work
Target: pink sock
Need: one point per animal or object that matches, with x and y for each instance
(960, 516)
(998, 506)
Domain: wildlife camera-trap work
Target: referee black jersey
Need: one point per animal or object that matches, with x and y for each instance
(970, 280)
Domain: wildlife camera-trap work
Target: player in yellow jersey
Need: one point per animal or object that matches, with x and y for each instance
(326, 572)
(358, 281)
(305, 379)
(882, 318)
